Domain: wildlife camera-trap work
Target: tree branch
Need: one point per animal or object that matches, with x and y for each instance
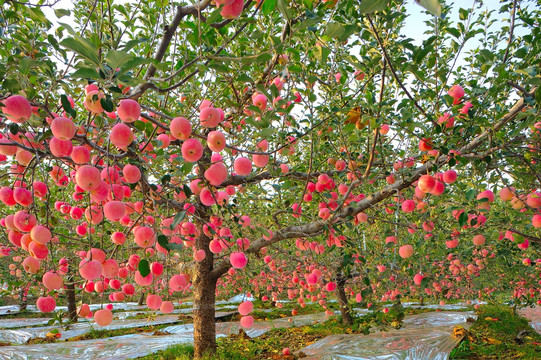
(316, 227)
(166, 40)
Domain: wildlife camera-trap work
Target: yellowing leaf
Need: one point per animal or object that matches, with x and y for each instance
(493, 341)
(353, 115)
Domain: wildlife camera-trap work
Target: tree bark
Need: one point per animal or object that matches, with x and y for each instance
(204, 326)
(72, 303)
(23, 298)
(141, 298)
(204, 296)
(343, 301)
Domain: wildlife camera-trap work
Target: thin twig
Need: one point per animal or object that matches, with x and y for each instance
(511, 30)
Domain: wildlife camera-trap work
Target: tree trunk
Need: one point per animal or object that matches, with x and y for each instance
(141, 298)
(72, 303)
(343, 301)
(23, 298)
(204, 297)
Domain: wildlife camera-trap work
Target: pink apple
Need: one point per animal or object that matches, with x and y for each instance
(46, 304)
(243, 166)
(121, 136)
(216, 141)
(210, 117)
(192, 150)
(63, 128)
(405, 251)
(216, 174)
(88, 177)
(128, 110)
(180, 128)
(103, 317)
(17, 108)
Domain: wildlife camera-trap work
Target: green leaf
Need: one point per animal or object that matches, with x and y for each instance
(463, 219)
(463, 14)
(334, 30)
(116, 58)
(366, 281)
(67, 105)
(321, 53)
(144, 267)
(268, 6)
(82, 47)
(61, 12)
(162, 240)
(454, 32)
(531, 72)
(165, 179)
(487, 54)
(177, 219)
(84, 73)
(266, 133)
(424, 283)
(187, 190)
(37, 14)
(470, 195)
(284, 9)
(107, 104)
(174, 246)
(14, 128)
(538, 95)
(25, 65)
(432, 6)
(162, 3)
(132, 43)
(369, 6)
(133, 63)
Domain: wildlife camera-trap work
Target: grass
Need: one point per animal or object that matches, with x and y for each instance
(278, 313)
(499, 333)
(175, 352)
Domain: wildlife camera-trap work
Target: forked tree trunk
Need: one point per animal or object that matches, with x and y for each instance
(204, 297)
(72, 303)
(343, 301)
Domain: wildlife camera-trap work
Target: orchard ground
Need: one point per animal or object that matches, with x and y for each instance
(497, 331)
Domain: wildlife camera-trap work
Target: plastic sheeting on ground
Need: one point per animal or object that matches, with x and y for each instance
(261, 327)
(534, 317)
(19, 323)
(9, 309)
(257, 329)
(21, 336)
(130, 346)
(126, 314)
(423, 337)
(420, 331)
(236, 299)
(115, 348)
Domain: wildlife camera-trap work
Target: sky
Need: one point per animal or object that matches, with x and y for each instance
(414, 26)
